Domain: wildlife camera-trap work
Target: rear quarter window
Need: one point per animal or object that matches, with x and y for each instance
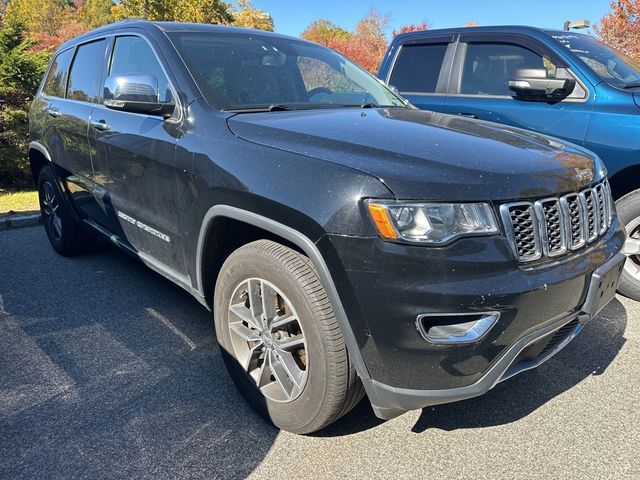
(417, 68)
(56, 82)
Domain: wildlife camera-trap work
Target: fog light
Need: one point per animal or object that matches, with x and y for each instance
(455, 328)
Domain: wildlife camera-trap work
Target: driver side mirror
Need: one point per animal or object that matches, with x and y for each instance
(135, 93)
(534, 84)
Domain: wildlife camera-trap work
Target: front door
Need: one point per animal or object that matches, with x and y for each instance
(479, 87)
(135, 174)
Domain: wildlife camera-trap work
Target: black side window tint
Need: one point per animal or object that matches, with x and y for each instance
(134, 55)
(417, 68)
(488, 67)
(56, 82)
(86, 72)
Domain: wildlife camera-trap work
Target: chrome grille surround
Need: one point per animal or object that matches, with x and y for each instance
(552, 227)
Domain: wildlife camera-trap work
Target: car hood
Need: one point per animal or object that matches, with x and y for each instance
(425, 155)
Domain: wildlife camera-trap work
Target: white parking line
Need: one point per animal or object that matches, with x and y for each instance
(167, 323)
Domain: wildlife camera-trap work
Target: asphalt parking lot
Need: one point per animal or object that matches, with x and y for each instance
(109, 371)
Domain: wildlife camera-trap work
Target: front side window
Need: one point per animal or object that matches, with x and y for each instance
(488, 67)
(417, 68)
(134, 55)
(611, 66)
(56, 82)
(240, 71)
(86, 72)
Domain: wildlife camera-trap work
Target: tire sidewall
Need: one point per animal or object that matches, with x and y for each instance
(291, 415)
(628, 209)
(46, 175)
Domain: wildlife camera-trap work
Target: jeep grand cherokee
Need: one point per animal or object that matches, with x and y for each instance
(346, 242)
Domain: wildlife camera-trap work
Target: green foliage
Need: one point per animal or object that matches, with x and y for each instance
(199, 11)
(95, 13)
(20, 74)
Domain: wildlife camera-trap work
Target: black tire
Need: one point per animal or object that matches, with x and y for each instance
(628, 208)
(332, 387)
(64, 232)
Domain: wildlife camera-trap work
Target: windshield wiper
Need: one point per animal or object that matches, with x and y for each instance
(274, 107)
(632, 85)
(369, 105)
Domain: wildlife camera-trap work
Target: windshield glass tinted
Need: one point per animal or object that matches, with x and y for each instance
(613, 67)
(238, 71)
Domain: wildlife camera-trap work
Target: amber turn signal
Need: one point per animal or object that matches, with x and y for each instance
(380, 216)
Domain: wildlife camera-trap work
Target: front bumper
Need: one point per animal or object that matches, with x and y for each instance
(527, 353)
(543, 308)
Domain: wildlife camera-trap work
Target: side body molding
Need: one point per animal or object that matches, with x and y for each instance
(310, 249)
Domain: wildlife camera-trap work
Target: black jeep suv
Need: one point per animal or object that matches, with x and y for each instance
(346, 242)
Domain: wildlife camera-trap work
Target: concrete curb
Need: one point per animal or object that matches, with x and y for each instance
(20, 221)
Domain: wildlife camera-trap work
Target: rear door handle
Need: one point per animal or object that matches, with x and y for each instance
(53, 112)
(100, 125)
(470, 115)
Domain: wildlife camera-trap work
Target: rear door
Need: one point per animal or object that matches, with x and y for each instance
(135, 171)
(478, 88)
(420, 71)
(72, 114)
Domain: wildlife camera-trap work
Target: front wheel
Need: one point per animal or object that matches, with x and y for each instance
(63, 230)
(628, 208)
(280, 339)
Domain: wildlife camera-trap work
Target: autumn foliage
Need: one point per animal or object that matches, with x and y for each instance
(621, 27)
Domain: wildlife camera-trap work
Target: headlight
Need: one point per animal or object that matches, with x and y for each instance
(432, 223)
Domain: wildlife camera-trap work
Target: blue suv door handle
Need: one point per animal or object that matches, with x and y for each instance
(470, 115)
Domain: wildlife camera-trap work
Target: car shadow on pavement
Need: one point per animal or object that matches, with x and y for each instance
(110, 371)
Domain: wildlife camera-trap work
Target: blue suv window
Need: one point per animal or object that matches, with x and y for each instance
(488, 67)
(417, 68)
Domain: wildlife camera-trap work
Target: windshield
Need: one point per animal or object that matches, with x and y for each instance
(239, 71)
(613, 67)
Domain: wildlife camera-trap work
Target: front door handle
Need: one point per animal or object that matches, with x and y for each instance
(100, 125)
(53, 112)
(470, 115)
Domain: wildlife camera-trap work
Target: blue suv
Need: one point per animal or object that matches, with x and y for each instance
(562, 84)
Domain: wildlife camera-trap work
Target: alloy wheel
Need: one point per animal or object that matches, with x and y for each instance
(50, 210)
(268, 340)
(632, 264)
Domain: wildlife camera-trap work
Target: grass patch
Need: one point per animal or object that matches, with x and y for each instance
(25, 201)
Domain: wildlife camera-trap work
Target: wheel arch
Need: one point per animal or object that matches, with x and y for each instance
(38, 157)
(625, 181)
(221, 218)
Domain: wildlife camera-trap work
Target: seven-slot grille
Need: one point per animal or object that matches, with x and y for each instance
(551, 227)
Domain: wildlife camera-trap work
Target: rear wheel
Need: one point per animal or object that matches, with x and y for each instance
(64, 233)
(628, 208)
(280, 340)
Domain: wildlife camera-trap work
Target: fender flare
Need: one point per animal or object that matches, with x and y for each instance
(40, 148)
(309, 248)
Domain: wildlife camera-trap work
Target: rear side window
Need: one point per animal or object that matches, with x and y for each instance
(488, 67)
(56, 82)
(86, 72)
(134, 55)
(417, 68)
